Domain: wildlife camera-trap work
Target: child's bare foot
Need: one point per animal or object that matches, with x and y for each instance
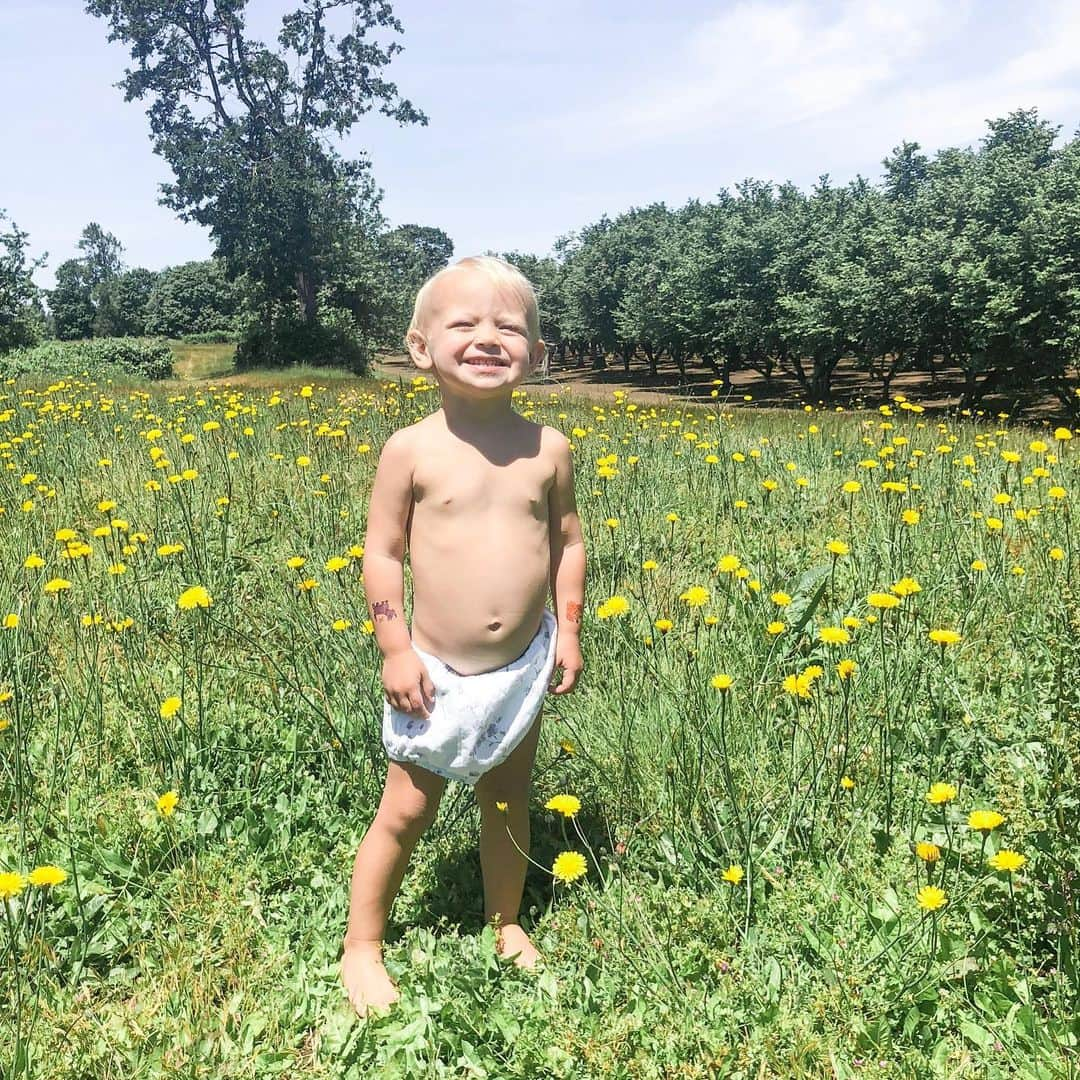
(513, 943)
(365, 978)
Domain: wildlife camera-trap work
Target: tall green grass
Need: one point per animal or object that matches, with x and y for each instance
(751, 901)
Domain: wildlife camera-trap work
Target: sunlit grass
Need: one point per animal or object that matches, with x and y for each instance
(751, 749)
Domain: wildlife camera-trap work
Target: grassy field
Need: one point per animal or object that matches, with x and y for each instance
(819, 642)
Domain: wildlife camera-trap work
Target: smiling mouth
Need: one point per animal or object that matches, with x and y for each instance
(490, 362)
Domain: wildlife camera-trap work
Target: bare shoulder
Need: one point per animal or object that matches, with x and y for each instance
(400, 448)
(554, 445)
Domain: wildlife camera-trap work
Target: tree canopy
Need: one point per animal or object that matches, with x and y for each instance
(245, 130)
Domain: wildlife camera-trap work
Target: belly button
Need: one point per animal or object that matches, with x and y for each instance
(494, 625)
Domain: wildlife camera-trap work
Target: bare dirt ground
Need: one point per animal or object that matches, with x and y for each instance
(851, 387)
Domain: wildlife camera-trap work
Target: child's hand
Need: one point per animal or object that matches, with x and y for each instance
(568, 657)
(408, 685)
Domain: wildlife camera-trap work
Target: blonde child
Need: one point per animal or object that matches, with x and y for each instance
(484, 501)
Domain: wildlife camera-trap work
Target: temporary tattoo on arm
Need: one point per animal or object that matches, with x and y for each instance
(382, 608)
(573, 611)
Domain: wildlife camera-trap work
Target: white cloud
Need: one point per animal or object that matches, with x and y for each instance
(767, 66)
(875, 71)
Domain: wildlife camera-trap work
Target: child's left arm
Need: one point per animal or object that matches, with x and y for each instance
(567, 567)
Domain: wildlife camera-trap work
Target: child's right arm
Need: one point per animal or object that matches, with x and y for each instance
(405, 679)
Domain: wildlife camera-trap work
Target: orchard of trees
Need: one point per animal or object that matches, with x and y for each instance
(969, 259)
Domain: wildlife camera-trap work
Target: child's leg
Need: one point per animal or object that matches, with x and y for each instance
(502, 864)
(408, 806)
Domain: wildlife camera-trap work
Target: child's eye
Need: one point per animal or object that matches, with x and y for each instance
(514, 329)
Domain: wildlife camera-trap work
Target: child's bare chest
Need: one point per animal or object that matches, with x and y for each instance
(466, 486)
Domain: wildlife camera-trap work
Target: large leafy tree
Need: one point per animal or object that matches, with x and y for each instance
(194, 297)
(84, 303)
(246, 128)
(20, 307)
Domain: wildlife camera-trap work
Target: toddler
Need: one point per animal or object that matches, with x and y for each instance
(484, 501)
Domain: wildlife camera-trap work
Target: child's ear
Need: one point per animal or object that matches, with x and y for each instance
(537, 354)
(418, 349)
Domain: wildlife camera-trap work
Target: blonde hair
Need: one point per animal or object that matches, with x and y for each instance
(502, 273)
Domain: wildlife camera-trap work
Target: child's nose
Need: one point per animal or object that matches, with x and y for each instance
(486, 333)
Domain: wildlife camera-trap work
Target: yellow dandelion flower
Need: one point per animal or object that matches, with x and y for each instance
(882, 600)
(501, 807)
(194, 597)
(11, 621)
(906, 586)
(696, 596)
(1056, 492)
(567, 747)
(166, 803)
(978, 565)
(833, 635)
(340, 624)
(837, 547)
(649, 564)
(295, 562)
(613, 606)
(569, 866)
(45, 876)
(847, 783)
(941, 793)
(984, 821)
(780, 599)
(1057, 554)
(734, 874)
(851, 487)
(663, 625)
(567, 805)
(944, 637)
(11, 884)
(170, 706)
(1005, 860)
(336, 563)
(56, 585)
(846, 668)
(33, 562)
(931, 898)
(911, 517)
(721, 682)
(728, 564)
(927, 852)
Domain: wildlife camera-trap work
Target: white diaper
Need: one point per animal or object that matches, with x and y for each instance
(477, 720)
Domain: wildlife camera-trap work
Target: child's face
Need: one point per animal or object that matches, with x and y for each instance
(474, 336)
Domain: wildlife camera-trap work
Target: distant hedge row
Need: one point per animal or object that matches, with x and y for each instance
(150, 358)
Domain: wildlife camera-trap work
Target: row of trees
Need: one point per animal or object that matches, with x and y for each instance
(97, 296)
(968, 259)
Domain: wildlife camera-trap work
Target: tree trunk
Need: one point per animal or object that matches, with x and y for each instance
(305, 292)
(820, 388)
(599, 360)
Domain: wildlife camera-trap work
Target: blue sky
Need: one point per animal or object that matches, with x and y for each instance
(545, 114)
